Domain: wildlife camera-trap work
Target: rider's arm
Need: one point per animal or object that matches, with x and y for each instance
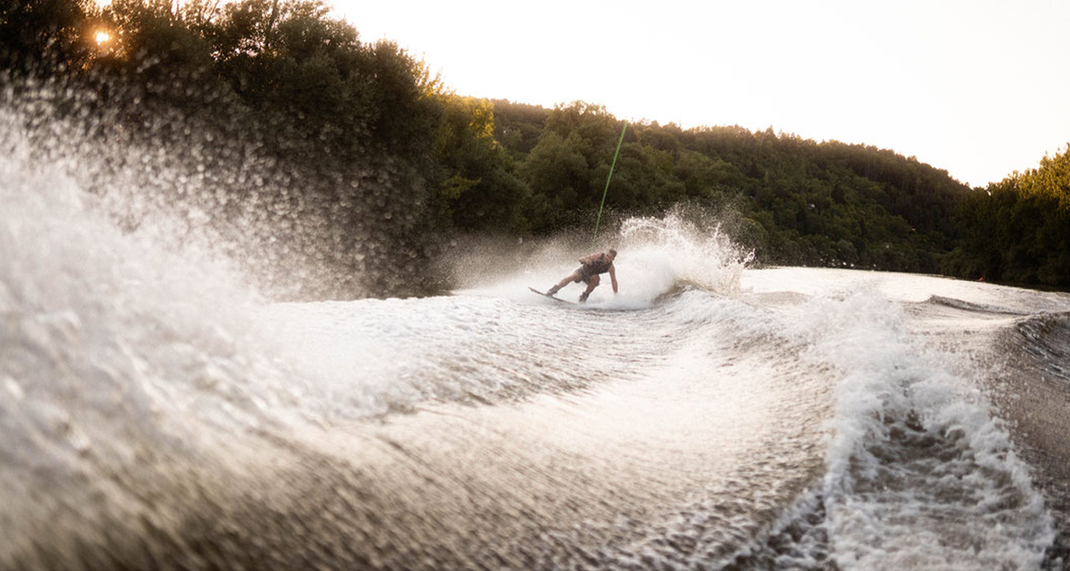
(589, 259)
(613, 276)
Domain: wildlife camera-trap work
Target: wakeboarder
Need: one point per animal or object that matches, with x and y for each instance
(588, 273)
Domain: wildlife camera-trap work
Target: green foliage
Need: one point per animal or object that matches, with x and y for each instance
(482, 192)
(559, 178)
(1018, 230)
(518, 126)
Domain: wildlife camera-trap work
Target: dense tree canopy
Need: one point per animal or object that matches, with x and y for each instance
(1018, 230)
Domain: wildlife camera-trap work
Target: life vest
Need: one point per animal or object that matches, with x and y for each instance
(599, 266)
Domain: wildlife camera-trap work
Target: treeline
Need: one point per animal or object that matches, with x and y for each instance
(1018, 230)
(794, 200)
(347, 167)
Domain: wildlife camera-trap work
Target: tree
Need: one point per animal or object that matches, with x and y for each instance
(481, 192)
(1019, 229)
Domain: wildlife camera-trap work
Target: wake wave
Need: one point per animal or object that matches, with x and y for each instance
(974, 307)
(918, 461)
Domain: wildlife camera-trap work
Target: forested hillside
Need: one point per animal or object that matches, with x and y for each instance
(347, 168)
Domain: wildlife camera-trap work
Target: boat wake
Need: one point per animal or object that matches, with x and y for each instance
(159, 413)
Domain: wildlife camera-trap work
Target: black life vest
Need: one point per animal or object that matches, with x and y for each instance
(599, 266)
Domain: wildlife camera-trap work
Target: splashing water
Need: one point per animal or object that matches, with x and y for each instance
(671, 250)
(158, 412)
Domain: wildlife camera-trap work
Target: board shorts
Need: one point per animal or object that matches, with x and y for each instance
(585, 273)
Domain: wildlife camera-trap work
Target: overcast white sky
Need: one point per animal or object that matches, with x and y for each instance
(979, 88)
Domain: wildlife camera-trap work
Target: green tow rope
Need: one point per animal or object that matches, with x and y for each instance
(606, 191)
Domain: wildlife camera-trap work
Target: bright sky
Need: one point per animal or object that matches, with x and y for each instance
(977, 87)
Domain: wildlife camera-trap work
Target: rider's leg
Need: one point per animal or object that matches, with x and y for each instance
(591, 284)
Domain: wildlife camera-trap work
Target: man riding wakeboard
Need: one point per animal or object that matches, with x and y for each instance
(588, 273)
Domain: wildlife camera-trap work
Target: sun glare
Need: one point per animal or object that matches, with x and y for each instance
(103, 37)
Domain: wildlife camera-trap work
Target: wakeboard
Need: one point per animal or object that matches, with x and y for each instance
(550, 296)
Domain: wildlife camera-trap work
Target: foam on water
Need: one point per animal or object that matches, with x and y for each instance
(920, 475)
